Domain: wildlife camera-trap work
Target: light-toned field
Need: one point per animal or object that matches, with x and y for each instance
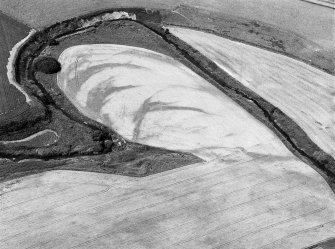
(264, 202)
(251, 193)
(314, 22)
(153, 99)
(302, 92)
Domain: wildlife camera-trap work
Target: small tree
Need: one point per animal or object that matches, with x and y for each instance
(47, 65)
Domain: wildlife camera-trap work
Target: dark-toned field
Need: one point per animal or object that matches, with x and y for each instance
(12, 102)
(329, 244)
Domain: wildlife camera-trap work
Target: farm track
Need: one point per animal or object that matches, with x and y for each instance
(12, 102)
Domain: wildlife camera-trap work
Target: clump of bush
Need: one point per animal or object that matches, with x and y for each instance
(47, 65)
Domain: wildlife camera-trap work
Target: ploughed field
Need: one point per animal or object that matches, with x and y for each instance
(304, 93)
(250, 193)
(12, 101)
(262, 202)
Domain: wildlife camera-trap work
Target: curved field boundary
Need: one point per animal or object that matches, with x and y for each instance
(11, 65)
(39, 139)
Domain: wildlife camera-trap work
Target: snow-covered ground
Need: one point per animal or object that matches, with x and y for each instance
(304, 93)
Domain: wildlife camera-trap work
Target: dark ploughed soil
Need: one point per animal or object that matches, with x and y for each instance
(12, 102)
(329, 244)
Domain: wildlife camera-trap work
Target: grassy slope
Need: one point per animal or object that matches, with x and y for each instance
(10, 98)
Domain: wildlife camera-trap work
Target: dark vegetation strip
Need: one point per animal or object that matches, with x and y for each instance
(136, 160)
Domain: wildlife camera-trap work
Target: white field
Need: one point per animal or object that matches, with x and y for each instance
(153, 99)
(252, 192)
(304, 93)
